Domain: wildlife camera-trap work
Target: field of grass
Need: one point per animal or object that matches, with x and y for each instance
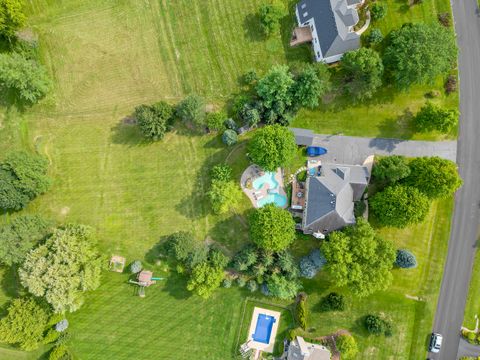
(108, 56)
(472, 307)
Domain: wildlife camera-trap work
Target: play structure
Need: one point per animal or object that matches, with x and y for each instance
(117, 263)
(144, 279)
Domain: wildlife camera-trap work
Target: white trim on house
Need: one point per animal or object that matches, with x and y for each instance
(315, 43)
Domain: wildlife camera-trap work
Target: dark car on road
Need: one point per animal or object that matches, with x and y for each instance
(316, 151)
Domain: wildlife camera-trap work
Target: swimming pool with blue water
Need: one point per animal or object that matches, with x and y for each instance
(263, 330)
(273, 186)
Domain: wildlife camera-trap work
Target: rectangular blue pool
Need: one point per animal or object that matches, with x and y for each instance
(263, 330)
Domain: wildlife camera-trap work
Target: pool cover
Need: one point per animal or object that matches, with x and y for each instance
(263, 330)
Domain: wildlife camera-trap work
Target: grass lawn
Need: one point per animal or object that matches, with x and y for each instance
(107, 57)
(473, 300)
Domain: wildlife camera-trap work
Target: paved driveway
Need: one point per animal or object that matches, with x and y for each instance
(354, 150)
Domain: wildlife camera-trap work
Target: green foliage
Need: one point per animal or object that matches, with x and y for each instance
(215, 121)
(405, 259)
(221, 172)
(282, 288)
(185, 249)
(63, 268)
(378, 11)
(272, 228)
(357, 257)
(204, 279)
(363, 70)
(375, 37)
(227, 283)
(310, 85)
(376, 325)
(301, 313)
(192, 110)
(136, 267)
(275, 93)
(51, 336)
(224, 195)
(433, 176)
(399, 206)
(347, 346)
(418, 53)
(250, 77)
(241, 281)
(23, 176)
(20, 236)
(24, 324)
(12, 17)
(252, 285)
(217, 258)
(249, 114)
(229, 137)
(391, 169)
(270, 15)
(154, 120)
(230, 124)
(272, 147)
(312, 263)
(333, 302)
(433, 117)
(60, 352)
(25, 79)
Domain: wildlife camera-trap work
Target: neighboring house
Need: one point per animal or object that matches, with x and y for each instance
(329, 26)
(330, 193)
(301, 350)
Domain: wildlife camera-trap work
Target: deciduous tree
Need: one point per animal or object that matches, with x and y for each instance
(310, 85)
(272, 147)
(363, 70)
(270, 15)
(358, 258)
(63, 268)
(418, 53)
(433, 117)
(399, 206)
(433, 176)
(347, 346)
(192, 110)
(272, 228)
(391, 169)
(204, 279)
(224, 195)
(154, 120)
(12, 17)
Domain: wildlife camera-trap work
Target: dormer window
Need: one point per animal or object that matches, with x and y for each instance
(305, 14)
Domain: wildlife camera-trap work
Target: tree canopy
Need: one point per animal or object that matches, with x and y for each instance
(282, 288)
(433, 176)
(215, 121)
(63, 268)
(418, 53)
(12, 17)
(310, 85)
(272, 147)
(433, 117)
(204, 279)
(24, 324)
(154, 120)
(192, 109)
(399, 206)
(272, 228)
(275, 93)
(23, 176)
(358, 258)
(363, 70)
(229, 137)
(24, 78)
(347, 346)
(391, 169)
(270, 15)
(185, 249)
(224, 195)
(20, 236)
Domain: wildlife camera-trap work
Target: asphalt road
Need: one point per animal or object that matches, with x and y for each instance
(464, 232)
(354, 150)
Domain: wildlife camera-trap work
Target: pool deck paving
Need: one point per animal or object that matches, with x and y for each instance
(252, 173)
(253, 324)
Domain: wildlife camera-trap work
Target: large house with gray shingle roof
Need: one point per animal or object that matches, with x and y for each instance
(329, 26)
(330, 194)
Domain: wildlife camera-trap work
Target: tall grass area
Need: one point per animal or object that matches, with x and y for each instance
(108, 56)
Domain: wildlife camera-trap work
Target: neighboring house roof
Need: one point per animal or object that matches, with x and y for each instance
(333, 19)
(303, 137)
(301, 350)
(330, 197)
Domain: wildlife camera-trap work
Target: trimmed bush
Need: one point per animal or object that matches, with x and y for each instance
(230, 124)
(227, 283)
(347, 346)
(60, 352)
(252, 285)
(374, 324)
(405, 259)
(312, 263)
(230, 137)
(375, 37)
(332, 302)
(51, 336)
(301, 313)
(221, 172)
(378, 11)
(215, 121)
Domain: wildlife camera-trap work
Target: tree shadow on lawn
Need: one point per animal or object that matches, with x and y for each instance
(231, 232)
(126, 132)
(10, 282)
(157, 251)
(252, 28)
(176, 286)
(401, 127)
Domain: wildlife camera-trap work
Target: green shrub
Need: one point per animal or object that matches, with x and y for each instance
(374, 324)
(375, 37)
(471, 336)
(215, 121)
(221, 172)
(60, 352)
(155, 120)
(192, 109)
(378, 11)
(405, 259)
(51, 336)
(332, 302)
(227, 283)
(252, 285)
(347, 346)
(301, 313)
(229, 137)
(241, 281)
